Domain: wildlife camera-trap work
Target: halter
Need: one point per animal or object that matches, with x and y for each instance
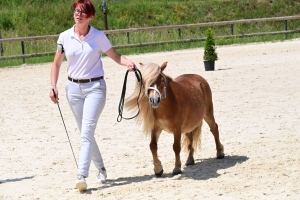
(157, 91)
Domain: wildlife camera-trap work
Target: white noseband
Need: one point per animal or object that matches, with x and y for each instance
(155, 90)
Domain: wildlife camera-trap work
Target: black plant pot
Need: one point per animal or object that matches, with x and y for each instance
(209, 65)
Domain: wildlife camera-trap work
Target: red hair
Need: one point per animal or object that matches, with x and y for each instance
(85, 6)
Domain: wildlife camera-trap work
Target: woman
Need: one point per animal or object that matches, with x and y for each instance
(83, 46)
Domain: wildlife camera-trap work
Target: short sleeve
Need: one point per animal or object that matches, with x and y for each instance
(60, 45)
(105, 43)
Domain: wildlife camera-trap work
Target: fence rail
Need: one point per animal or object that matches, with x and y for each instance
(178, 27)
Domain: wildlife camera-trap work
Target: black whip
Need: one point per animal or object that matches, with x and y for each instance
(121, 104)
(65, 127)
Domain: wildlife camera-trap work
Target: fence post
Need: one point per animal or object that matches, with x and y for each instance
(23, 50)
(285, 27)
(179, 33)
(1, 47)
(128, 39)
(231, 29)
(104, 7)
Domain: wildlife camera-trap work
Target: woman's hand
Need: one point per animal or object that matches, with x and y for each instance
(54, 94)
(130, 65)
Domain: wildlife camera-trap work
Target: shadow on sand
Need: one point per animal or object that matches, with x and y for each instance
(15, 179)
(224, 68)
(203, 169)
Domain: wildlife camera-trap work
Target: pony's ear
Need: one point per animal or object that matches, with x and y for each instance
(163, 66)
(141, 64)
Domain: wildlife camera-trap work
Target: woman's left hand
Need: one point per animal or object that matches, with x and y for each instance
(130, 66)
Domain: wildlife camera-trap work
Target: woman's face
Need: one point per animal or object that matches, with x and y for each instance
(80, 17)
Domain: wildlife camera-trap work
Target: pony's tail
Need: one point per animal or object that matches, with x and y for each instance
(196, 136)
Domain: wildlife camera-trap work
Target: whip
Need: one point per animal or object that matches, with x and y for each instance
(64, 126)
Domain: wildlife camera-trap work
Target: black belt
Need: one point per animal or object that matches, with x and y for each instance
(85, 80)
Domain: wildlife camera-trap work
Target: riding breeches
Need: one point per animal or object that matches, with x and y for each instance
(87, 101)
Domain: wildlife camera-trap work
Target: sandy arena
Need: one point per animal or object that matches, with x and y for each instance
(256, 95)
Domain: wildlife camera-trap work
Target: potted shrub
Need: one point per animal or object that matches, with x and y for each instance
(210, 54)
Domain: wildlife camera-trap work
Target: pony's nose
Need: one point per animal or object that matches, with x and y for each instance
(154, 102)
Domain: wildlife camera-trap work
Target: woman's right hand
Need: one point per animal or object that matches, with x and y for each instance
(54, 94)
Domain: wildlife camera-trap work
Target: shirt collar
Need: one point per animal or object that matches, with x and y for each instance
(73, 35)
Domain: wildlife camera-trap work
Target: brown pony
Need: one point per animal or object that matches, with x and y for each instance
(177, 106)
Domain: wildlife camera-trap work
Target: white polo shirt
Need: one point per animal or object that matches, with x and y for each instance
(84, 57)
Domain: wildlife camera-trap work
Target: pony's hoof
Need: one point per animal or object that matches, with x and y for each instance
(176, 172)
(190, 162)
(159, 174)
(220, 155)
(220, 152)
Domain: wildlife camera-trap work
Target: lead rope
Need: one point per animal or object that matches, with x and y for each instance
(121, 104)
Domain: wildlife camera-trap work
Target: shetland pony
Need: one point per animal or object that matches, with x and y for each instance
(177, 106)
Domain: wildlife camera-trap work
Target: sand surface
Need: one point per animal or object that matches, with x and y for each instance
(256, 95)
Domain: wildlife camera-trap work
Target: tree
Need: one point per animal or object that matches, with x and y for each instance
(210, 47)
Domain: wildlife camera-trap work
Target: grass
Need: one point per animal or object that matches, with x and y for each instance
(21, 18)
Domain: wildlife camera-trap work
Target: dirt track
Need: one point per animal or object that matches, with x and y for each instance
(256, 94)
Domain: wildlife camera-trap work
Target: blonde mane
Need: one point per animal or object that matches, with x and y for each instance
(149, 72)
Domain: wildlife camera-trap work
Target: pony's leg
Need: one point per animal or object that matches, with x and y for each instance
(177, 149)
(189, 142)
(210, 120)
(158, 169)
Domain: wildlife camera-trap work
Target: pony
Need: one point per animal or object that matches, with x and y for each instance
(177, 106)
